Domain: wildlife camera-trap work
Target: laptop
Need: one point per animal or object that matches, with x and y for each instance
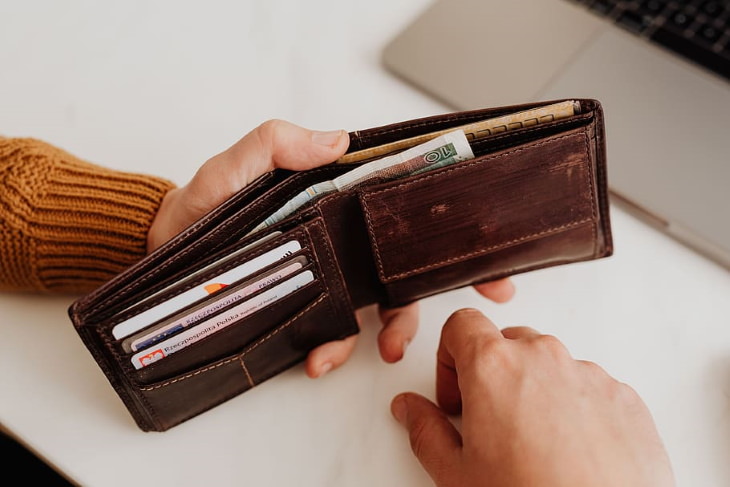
(660, 68)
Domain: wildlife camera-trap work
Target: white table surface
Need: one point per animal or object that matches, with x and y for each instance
(158, 87)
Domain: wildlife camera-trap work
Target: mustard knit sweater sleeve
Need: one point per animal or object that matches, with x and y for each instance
(67, 226)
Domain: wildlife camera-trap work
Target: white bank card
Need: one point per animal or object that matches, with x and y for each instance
(218, 322)
(176, 303)
(233, 294)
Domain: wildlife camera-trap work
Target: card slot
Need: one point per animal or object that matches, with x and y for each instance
(207, 266)
(231, 339)
(199, 333)
(242, 290)
(192, 292)
(197, 267)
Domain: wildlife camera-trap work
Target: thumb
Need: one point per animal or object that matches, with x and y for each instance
(273, 144)
(281, 144)
(434, 440)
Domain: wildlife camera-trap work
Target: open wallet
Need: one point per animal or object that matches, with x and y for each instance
(280, 268)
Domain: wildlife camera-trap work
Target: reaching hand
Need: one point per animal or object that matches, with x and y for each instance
(399, 328)
(531, 415)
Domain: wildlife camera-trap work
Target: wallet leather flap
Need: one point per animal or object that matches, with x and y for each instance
(493, 202)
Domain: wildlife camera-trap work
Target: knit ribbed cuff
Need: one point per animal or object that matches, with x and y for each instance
(69, 225)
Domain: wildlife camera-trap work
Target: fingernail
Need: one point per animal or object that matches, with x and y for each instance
(400, 409)
(327, 138)
(326, 367)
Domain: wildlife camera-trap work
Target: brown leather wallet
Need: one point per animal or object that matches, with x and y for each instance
(532, 197)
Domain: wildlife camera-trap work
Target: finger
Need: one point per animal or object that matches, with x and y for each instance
(499, 291)
(463, 330)
(273, 144)
(434, 440)
(281, 144)
(399, 328)
(329, 356)
(517, 332)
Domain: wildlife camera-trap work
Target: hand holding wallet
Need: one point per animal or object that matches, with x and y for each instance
(240, 296)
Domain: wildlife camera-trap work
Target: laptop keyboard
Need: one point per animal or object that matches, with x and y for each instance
(698, 30)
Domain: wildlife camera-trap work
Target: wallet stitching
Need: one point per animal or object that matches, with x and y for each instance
(286, 325)
(488, 249)
(188, 376)
(316, 258)
(402, 128)
(590, 177)
(601, 171)
(482, 160)
(341, 296)
(245, 370)
(241, 356)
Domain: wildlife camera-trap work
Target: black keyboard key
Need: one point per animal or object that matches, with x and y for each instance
(709, 33)
(712, 8)
(692, 50)
(654, 7)
(680, 20)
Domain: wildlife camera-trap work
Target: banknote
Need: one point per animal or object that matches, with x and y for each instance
(473, 131)
(440, 151)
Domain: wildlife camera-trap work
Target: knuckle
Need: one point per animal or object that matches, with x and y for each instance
(490, 354)
(626, 394)
(267, 130)
(463, 314)
(552, 345)
(593, 368)
(463, 322)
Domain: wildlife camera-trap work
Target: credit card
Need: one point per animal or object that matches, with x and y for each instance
(218, 322)
(156, 333)
(223, 260)
(176, 303)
